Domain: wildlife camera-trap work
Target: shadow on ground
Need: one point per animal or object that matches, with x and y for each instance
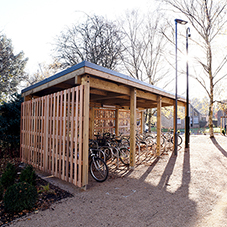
(138, 203)
(220, 148)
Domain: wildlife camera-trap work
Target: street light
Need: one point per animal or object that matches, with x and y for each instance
(187, 118)
(177, 21)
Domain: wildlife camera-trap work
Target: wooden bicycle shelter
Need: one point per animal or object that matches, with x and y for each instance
(57, 116)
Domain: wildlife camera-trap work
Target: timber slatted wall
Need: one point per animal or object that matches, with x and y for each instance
(51, 134)
(124, 121)
(104, 121)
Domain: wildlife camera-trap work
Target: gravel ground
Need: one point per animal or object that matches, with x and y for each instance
(187, 190)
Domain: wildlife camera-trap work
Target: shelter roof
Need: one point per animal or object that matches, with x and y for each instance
(108, 87)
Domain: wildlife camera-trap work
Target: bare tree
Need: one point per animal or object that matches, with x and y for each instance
(143, 56)
(44, 72)
(208, 18)
(144, 45)
(97, 40)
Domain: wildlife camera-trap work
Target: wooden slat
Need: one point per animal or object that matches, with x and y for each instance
(76, 137)
(60, 141)
(36, 133)
(67, 135)
(80, 118)
(57, 137)
(43, 135)
(72, 134)
(91, 122)
(117, 122)
(29, 132)
(50, 118)
(46, 116)
(53, 137)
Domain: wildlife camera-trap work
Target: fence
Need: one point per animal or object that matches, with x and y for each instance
(104, 121)
(51, 134)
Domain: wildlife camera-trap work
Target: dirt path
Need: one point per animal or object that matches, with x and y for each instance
(187, 190)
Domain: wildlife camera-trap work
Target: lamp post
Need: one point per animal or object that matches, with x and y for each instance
(177, 21)
(187, 118)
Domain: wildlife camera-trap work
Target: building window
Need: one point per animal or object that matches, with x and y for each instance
(196, 120)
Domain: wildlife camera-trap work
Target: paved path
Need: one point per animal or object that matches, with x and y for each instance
(187, 190)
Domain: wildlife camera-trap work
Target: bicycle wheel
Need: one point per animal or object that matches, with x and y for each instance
(125, 141)
(98, 169)
(179, 140)
(149, 140)
(162, 140)
(124, 154)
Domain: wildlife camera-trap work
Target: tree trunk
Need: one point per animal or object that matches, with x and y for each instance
(211, 130)
(209, 59)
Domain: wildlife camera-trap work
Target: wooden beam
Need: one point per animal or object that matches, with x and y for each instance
(132, 127)
(30, 97)
(85, 80)
(63, 86)
(111, 97)
(114, 102)
(109, 86)
(159, 124)
(98, 92)
(167, 101)
(146, 95)
(56, 81)
(127, 82)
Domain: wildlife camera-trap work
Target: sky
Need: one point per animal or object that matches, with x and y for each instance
(32, 25)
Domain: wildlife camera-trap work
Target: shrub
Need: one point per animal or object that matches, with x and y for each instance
(20, 196)
(9, 175)
(46, 189)
(28, 175)
(1, 191)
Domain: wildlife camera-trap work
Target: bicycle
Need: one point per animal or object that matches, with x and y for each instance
(113, 147)
(169, 137)
(97, 166)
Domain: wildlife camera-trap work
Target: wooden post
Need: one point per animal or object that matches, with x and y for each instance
(91, 123)
(132, 127)
(142, 121)
(159, 124)
(117, 122)
(85, 81)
